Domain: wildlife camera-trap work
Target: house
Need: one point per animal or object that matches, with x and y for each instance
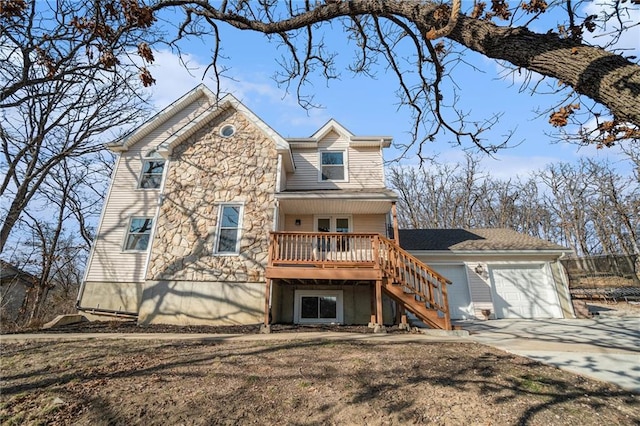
(212, 217)
(15, 287)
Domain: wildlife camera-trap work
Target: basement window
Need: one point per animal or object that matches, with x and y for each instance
(318, 307)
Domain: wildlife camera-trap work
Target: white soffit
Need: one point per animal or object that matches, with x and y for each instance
(334, 206)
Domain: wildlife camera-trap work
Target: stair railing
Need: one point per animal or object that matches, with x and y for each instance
(407, 270)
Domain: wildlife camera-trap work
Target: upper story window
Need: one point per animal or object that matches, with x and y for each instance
(138, 234)
(332, 165)
(229, 226)
(152, 169)
(227, 131)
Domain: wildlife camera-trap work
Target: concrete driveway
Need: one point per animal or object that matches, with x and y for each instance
(606, 348)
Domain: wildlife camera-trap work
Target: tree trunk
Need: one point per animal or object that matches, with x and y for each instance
(602, 76)
(605, 77)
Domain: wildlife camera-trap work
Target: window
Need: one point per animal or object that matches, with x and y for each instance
(229, 225)
(333, 224)
(151, 177)
(227, 131)
(138, 235)
(332, 165)
(318, 306)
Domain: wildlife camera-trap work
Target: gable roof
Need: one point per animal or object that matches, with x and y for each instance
(333, 126)
(474, 240)
(214, 109)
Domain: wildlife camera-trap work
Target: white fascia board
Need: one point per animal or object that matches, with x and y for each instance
(302, 143)
(167, 146)
(281, 143)
(216, 108)
(337, 196)
(154, 122)
(371, 141)
(287, 158)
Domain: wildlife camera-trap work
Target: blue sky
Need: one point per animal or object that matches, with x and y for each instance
(369, 107)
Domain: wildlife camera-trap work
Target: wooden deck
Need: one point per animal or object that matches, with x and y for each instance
(358, 256)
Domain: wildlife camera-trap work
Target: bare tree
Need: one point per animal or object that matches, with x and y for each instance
(381, 31)
(54, 235)
(587, 206)
(595, 207)
(615, 210)
(419, 42)
(64, 92)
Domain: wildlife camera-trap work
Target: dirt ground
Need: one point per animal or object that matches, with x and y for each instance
(154, 382)
(599, 307)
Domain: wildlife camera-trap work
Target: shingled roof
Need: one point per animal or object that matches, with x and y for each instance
(485, 239)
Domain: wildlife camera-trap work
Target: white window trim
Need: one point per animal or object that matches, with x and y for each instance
(345, 164)
(298, 294)
(126, 234)
(332, 220)
(141, 174)
(221, 207)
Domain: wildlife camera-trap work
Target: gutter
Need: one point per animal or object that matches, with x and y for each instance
(487, 252)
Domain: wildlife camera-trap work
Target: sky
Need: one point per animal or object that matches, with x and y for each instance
(369, 106)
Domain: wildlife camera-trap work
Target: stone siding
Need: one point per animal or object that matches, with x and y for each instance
(204, 171)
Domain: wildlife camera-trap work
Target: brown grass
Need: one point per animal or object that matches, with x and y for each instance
(294, 382)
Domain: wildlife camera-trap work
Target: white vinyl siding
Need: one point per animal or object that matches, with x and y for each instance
(361, 223)
(370, 223)
(109, 262)
(363, 166)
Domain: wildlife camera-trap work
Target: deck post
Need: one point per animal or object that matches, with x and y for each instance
(266, 327)
(394, 218)
(401, 316)
(372, 299)
(379, 327)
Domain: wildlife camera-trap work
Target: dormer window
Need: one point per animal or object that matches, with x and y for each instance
(152, 169)
(332, 166)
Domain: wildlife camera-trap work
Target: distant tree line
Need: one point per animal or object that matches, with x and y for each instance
(586, 206)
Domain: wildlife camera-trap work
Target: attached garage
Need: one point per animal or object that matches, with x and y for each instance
(524, 291)
(499, 272)
(460, 306)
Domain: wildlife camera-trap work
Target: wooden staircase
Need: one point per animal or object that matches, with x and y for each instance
(363, 257)
(414, 286)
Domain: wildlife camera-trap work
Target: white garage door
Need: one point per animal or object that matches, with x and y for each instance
(524, 292)
(458, 291)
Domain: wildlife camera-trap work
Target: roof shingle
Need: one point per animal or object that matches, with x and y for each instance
(483, 239)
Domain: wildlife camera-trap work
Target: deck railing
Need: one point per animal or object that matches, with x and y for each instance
(322, 248)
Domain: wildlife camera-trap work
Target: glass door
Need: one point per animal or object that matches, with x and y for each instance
(333, 224)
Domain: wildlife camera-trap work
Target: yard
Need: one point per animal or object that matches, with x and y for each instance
(101, 382)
